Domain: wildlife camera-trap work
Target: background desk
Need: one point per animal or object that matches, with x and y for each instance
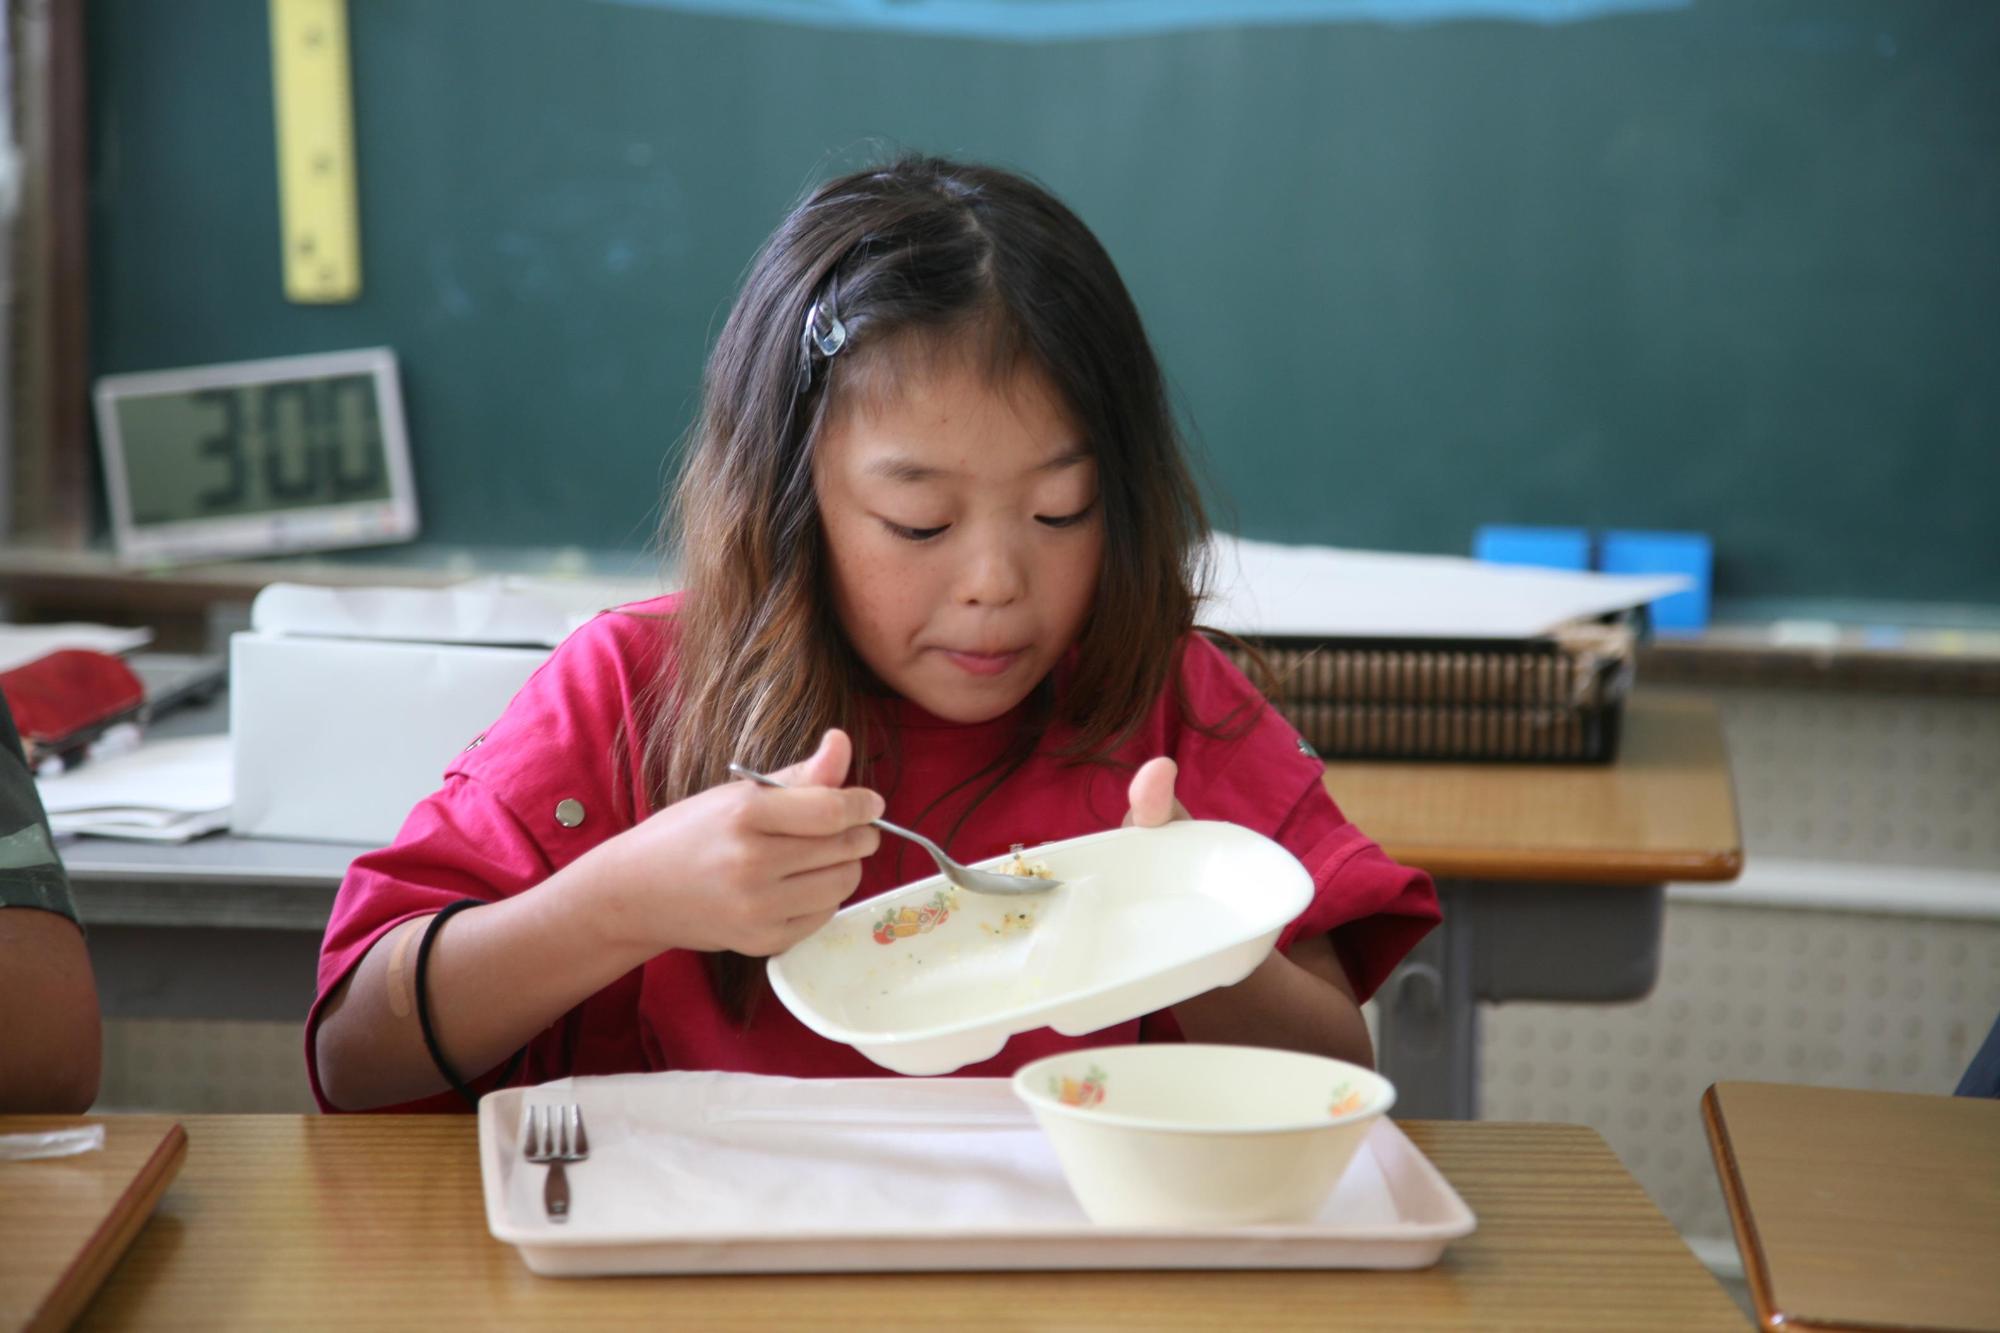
(284, 1221)
(1861, 1209)
(1552, 878)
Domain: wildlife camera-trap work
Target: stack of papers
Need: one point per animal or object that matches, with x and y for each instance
(1264, 589)
(162, 791)
(22, 644)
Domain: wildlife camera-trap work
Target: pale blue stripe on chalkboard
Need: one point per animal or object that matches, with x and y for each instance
(1071, 20)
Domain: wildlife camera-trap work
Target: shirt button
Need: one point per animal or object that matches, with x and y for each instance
(569, 812)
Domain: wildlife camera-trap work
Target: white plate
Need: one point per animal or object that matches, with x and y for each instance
(1144, 919)
(737, 1173)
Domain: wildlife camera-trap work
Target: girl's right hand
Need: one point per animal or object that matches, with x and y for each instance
(742, 866)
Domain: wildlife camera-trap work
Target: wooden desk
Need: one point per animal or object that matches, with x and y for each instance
(367, 1221)
(1552, 878)
(1666, 810)
(1858, 1210)
(65, 1221)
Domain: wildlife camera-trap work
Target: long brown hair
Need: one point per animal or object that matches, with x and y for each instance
(922, 252)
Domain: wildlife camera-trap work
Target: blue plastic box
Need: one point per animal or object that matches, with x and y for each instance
(1552, 548)
(1688, 553)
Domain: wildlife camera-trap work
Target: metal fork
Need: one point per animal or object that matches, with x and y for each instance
(555, 1136)
(976, 881)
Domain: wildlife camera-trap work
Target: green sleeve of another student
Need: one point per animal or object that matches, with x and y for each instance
(31, 875)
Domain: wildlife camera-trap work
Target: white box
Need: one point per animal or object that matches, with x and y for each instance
(346, 704)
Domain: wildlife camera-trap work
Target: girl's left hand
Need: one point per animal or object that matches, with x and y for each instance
(1151, 795)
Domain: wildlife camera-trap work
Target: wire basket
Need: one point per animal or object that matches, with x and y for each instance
(1556, 700)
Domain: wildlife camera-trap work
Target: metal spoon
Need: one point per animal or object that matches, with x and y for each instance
(976, 881)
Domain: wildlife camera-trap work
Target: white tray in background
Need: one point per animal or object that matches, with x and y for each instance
(736, 1173)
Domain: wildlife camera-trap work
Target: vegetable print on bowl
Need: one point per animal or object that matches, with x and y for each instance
(1086, 1091)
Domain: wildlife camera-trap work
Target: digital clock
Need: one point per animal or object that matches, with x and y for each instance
(298, 453)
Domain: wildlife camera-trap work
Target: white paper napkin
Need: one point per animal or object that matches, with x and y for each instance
(715, 1155)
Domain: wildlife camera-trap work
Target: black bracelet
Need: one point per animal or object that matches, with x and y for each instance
(458, 1084)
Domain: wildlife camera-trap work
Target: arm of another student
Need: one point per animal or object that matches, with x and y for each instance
(50, 1034)
(51, 1042)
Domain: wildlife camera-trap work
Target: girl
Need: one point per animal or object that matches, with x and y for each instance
(937, 534)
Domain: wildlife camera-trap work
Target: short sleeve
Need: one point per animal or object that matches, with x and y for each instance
(458, 843)
(1375, 909)
(31, 874)
(1240, 760)
(554, 776)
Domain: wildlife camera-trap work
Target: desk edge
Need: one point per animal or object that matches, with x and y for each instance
(1625, 868)
(78, 1283)
(1748, 1247)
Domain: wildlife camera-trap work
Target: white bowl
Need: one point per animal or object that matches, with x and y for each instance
(1173, 1135)
(1144, 919)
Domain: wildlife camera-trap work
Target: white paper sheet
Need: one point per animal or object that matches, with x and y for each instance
(741, 1154)
(181, 776)
(22, 644)
(1325, 592)
(140, 825)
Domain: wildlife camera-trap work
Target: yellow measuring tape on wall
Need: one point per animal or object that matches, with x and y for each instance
(312, 95)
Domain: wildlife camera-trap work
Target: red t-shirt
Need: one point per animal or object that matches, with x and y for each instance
(492, 830)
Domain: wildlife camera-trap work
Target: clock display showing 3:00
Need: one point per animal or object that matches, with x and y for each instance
(253, 448)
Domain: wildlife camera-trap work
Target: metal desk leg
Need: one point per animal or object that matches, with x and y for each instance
(1564, 943)
(1428, 1022)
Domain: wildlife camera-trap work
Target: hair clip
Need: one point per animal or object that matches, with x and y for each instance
(826, 343)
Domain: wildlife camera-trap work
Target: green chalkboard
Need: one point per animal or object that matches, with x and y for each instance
(1723, 266)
